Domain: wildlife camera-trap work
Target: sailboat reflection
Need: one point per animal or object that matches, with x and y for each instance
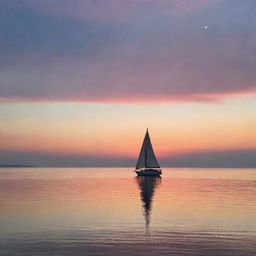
(147, 186)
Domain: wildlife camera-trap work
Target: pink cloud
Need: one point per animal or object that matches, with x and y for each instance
(160, 58)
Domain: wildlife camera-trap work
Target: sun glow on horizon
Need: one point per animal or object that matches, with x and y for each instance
(111, 130)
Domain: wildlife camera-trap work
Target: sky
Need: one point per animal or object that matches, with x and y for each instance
(81, 80)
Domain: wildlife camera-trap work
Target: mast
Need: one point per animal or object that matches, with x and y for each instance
(146, 148)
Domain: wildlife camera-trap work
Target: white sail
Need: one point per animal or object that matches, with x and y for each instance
(147, 158)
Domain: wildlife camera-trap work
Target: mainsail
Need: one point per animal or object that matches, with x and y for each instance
(147, 158)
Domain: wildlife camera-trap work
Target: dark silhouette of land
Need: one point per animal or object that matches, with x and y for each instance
(15, 166)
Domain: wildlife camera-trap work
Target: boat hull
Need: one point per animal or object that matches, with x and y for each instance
(149, 172)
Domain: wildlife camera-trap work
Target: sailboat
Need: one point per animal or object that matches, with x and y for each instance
(147, 164)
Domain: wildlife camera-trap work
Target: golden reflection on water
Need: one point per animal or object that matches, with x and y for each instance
(89, 208)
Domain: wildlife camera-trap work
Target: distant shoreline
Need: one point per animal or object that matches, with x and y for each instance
(16, 166)
(176, 167)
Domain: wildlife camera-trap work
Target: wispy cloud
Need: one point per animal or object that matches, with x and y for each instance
(79, 51)
(111, 10)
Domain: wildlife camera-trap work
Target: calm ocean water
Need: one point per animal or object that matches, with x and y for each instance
(50, 211)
